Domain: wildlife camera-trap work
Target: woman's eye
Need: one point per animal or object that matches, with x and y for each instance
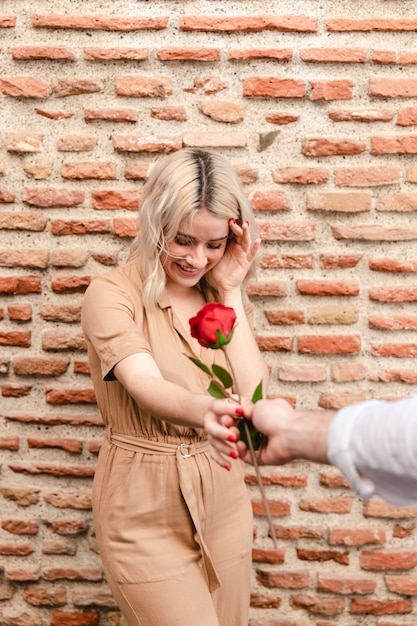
(180, 241)
(216, 246)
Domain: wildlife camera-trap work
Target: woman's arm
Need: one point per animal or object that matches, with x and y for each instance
(141, 377)
(249, 367)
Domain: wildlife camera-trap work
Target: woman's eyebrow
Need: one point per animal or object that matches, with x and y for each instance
(192, 238)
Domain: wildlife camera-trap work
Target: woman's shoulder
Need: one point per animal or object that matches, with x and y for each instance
(121, 285)
(126, 276)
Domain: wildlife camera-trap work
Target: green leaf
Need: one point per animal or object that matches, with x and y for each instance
(223, 375)
(257, 438)
(201, 365)
(217, 391)
(257, 394)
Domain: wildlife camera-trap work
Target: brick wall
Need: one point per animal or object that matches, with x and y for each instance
(315, 105)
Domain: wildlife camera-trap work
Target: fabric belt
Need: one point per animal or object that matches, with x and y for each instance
(183, 452)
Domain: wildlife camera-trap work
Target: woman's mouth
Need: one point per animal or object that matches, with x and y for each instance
(188, 270)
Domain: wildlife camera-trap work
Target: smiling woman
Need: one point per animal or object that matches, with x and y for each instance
(188, 255)
(173, 528)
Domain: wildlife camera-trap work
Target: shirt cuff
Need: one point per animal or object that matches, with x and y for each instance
(339, 450)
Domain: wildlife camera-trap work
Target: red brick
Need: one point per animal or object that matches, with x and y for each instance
(111, 115)
(207, 55)
(70, 396)
(24, 142)
(288, 261)
(128, 143)
(394, 144)
(222, 111)
(127, 199)
(331, 89)
(52, 53)
(337, 400)
(116, 54)
(70, 284)
(74, 446)
(339, 261)
(405, 584)
(283, 579)
(345, 585)
(272, 87)
(70, 227)
(250, 54)
(39, 366)
(370, 25)
(384, 57)
(7, 21)
(380, 607)
(293, 231)
(329, 344)
(24, 87)
(317, 604)
(282, 23)
(304, 374)
(334, 55)
(88, 170)
(75, 618)
(64, 87)
(20, 526)
(356, 536)
(321, 147)
(281, 118)
(48, 197)
(327, 288)
(20, 284)
(407, 116)
(393, 87)
(300, 175)
(122, 24)
(381, 560)
(283, 318)
(76, 143)
(177, 114)
(326, 505)
(143, 86)
(19, 313)
(363, 115)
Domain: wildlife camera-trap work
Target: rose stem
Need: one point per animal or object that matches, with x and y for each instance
(261, 485)
(255, 464)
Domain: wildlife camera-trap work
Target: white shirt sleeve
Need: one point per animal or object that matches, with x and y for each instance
(374, 445)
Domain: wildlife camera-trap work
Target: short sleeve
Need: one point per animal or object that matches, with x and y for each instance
(112, 321)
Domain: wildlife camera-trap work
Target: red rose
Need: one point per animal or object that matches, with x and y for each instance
(213, 325)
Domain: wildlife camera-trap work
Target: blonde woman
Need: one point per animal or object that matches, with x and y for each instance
(174, 529)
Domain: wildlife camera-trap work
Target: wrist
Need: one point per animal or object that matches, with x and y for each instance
(307, 435)
(231, 297)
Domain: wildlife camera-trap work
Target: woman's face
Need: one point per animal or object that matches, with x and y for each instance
(198, 246)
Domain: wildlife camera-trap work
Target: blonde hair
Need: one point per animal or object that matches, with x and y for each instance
(185, 182)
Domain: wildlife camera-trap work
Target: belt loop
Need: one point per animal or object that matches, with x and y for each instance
(184, 446)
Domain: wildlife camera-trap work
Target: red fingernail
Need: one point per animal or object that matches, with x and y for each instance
(231, 438)
(227, 467)
(239, 411)
(234, 454)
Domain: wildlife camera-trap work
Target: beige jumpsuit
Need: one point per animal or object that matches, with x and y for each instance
(174, 529)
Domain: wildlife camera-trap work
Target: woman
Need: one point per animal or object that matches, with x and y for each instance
(173, 528)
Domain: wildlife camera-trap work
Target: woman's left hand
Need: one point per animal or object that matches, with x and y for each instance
(238, 257)
(220, 423)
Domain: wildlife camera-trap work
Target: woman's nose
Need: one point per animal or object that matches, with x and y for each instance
(197, 257)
